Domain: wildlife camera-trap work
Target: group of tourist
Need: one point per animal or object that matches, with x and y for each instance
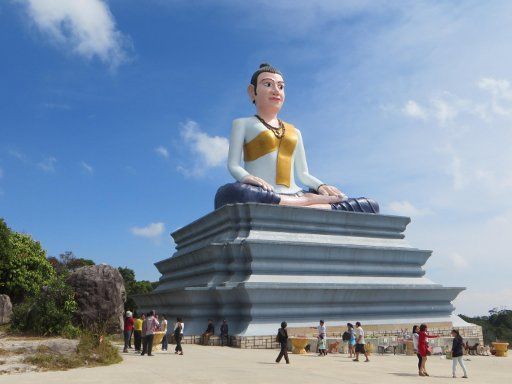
(356, 345)
(355, 340)
(420, 338)
(143, 329)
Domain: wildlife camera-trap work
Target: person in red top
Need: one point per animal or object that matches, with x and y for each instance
(128, 330)
(423, 347)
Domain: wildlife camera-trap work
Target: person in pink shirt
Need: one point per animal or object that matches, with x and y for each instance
(150, 326)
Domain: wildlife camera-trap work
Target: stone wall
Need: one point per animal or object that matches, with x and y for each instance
(472, 333)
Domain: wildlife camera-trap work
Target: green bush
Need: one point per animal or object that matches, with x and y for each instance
(23, 268)
(49, 313)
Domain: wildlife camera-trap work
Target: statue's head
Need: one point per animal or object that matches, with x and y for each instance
(267, 87)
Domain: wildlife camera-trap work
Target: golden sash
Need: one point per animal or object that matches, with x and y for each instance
(266, 142)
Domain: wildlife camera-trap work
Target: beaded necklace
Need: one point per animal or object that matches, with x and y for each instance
(277, 131)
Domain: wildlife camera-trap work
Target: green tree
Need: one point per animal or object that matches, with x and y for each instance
(134, 287)
(67, 262)
(50, 313)
(25, 269)
(496, 326)
(5, 253)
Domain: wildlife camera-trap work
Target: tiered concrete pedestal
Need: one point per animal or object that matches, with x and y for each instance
(257, 265)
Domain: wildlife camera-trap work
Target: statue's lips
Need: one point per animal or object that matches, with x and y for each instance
(275, 99)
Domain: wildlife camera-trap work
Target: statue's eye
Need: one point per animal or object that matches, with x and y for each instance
(281, 86)
(267, 84)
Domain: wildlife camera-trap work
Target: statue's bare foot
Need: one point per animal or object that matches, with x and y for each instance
(313, 198)
(308, 199)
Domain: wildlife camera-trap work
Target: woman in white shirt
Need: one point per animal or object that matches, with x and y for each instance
(178, 335)
(415, 339)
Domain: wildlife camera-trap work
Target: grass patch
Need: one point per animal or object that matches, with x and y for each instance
(98, 353)
(90, 352)
(52, 362)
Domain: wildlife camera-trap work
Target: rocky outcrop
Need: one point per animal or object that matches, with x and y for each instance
(5, 309)
(100, 295)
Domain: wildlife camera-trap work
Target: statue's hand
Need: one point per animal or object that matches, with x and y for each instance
(254, 180)
(329, 190)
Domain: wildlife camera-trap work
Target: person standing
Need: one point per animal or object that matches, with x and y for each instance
(163, 328)
(415, 339)
(143, 335)
(282, 339)
(127, 330)
(360, 343)
(351, 340)
(178, 335)
(224, 333)
(151, 327)
(322, 339)
(423, 347)
(137, 332)
(457, 353)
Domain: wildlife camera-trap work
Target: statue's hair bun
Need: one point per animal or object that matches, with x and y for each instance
(264, 67)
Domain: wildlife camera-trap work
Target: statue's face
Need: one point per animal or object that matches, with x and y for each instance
(269, 91)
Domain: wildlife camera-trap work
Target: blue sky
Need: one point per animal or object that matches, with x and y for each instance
(114, 118)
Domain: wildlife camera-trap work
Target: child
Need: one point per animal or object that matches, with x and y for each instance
(322, 345)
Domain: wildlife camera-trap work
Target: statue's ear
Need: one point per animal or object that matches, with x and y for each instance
(251, 93)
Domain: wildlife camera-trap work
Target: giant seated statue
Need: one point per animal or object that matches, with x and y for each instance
(273, 154)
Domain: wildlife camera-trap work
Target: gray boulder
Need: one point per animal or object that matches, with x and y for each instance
(5, 309)
(100, 295)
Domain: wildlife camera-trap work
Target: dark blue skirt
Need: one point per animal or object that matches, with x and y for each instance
(245, 193)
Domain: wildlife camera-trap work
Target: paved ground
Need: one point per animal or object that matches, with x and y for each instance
(229, 365)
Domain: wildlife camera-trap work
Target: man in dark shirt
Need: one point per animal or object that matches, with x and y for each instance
(224, 333)
(208, 333)
(282, 339)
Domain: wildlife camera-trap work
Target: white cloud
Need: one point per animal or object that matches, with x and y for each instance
(162, 151)
(405, 208)
(413, 109)
(87, 27)
(444, 111)
(210, 151)
(151, 231)
(87, 168)
(501, 92)
(458, 261)
(48, 164)
(18, 155)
